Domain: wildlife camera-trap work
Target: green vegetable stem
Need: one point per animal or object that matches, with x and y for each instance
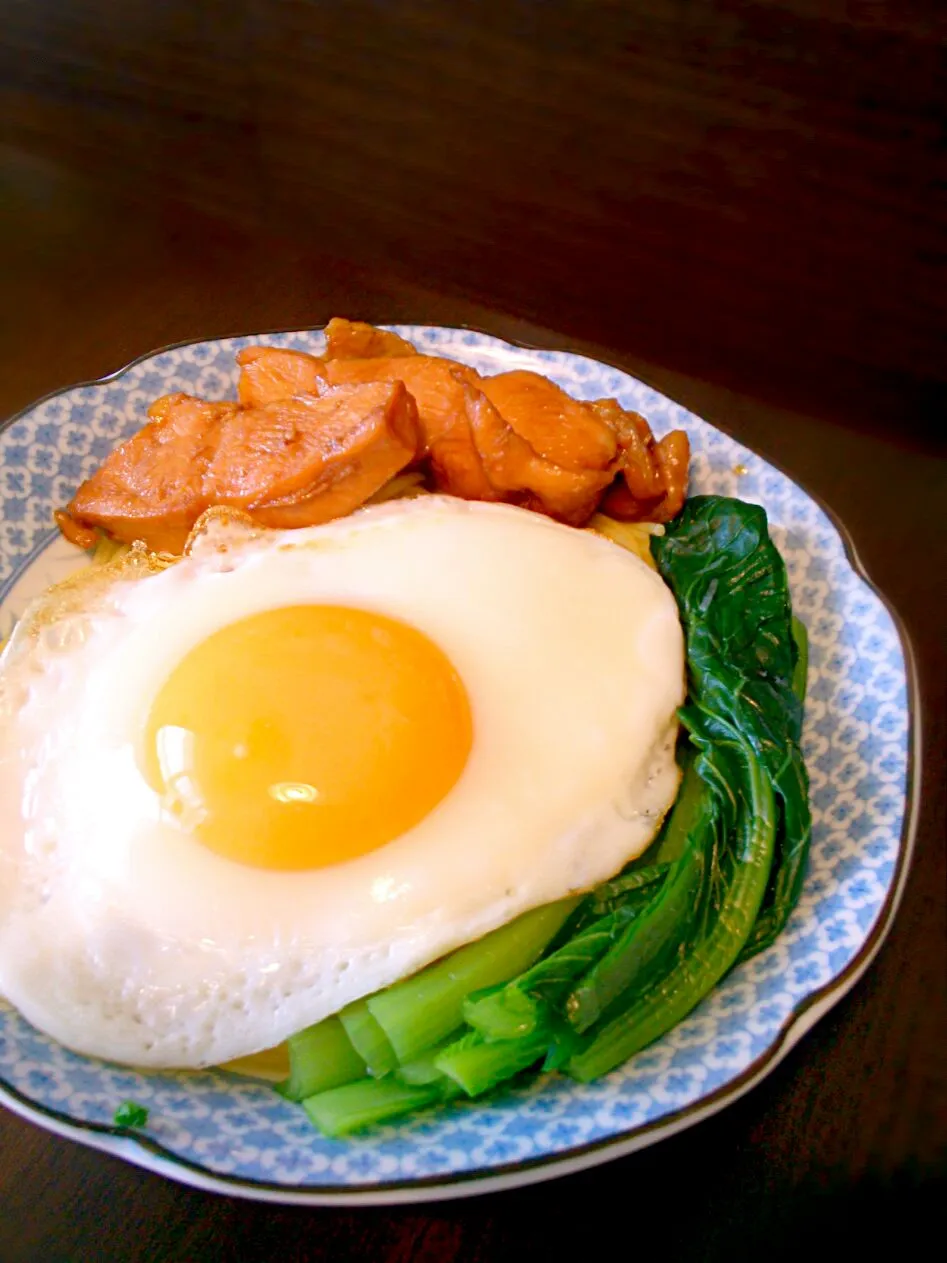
(583, 984)
(422, 1010)
(648, 939)
(321, 1057)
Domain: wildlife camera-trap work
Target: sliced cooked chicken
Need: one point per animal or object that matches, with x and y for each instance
(152, 487)
(313, 438)
(639, 464)
(301, 461)
(295, 462)
(673, 453)
(560, 429)
(438, 389)
(653, 480)
(476, 451)
(518, 473)
(355, 340)
(269, 373)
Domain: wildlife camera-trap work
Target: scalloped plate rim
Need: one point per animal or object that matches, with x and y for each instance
(147, 1154)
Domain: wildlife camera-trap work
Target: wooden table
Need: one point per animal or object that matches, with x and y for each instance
(767, 257)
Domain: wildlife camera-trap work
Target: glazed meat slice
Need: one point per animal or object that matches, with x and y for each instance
(294, 462)
(464, 433)
(560, 429)
(520, 474)
(437, 386)
(653, 482)
(269, 373)
(312, 438)
(672, 458)
(639, 465)
(305, 460)
(152, 487)
(354, 340)
(568, 495)
(477, 453)
(673, 453)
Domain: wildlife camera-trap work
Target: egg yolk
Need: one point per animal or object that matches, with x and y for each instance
(305, 736)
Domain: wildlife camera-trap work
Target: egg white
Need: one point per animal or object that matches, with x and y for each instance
(122, 937)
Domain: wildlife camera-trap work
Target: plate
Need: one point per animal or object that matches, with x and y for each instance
(233, 1135)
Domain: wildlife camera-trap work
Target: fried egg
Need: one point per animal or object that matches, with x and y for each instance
(294, 767)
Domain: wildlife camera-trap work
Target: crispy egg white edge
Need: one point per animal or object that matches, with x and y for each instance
(122, 937)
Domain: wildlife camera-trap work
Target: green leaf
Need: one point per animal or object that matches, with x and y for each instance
(130, 1114)
(732, 589)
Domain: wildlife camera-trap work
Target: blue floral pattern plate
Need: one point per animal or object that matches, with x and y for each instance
(217, 1131)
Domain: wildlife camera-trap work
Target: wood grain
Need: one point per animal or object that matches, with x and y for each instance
(737, 203)
(746, 190)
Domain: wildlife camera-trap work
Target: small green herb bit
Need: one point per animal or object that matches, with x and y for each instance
(130, 1114)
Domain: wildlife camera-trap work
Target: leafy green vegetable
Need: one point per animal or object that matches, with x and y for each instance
(730, 900)
(130, 1114)
(647, 941)
(422, 1070)
(320, 1057)
(611, 895)
(367, 1038)
(477, 1066)
(527, 1004)
(423, 1009)
(801, 637)
(368, 1102)
(789, 870)
(583, 984)
(743, 716)
(731, 587)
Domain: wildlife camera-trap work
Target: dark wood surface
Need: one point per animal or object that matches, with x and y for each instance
(737, 202)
